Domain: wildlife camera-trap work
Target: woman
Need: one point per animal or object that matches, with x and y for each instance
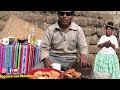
(106, 60)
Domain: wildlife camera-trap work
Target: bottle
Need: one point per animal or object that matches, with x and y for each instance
(29, 36)
(32, 38)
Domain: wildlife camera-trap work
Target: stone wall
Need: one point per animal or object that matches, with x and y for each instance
(92, 23)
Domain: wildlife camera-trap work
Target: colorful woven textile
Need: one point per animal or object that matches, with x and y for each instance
(21, 56)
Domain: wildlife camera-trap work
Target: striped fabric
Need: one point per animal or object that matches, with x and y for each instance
(20, 56)
(107, 63)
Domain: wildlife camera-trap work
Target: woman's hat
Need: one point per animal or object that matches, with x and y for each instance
(110, 24)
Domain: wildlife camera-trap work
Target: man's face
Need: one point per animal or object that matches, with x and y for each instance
(65, 17)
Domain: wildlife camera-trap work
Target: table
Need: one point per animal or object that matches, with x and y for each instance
(18, 55)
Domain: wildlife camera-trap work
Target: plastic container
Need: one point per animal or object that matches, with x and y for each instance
(32, 37)
(29, 36)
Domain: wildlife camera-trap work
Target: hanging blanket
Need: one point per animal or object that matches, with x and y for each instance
(24, 59)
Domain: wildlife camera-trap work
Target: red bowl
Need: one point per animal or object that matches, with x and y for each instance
(46, 70)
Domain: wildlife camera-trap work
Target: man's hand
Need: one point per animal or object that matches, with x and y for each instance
(47, 62)
(83, 60)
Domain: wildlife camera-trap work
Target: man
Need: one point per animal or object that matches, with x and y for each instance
(63, 42)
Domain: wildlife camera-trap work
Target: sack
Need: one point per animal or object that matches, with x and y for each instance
(102, 75)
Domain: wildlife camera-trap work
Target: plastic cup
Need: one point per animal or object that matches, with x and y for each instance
(56, 66)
